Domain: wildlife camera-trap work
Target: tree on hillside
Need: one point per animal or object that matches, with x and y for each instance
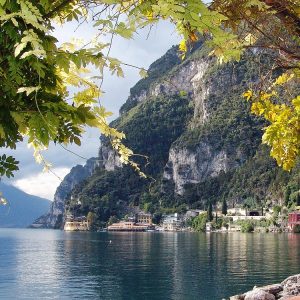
(224, 207)
(287, 195)
(35, 72)
(210, 216)
(199, 222)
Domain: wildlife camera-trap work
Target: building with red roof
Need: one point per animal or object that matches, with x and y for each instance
(294, 219)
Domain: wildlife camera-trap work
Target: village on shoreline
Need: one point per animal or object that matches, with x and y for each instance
(277, 219)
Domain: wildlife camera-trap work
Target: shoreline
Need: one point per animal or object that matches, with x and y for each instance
(288, 289)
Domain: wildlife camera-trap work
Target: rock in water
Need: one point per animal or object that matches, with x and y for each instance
(258, 294)
(291, 285)
(237, 297)
(272, 288)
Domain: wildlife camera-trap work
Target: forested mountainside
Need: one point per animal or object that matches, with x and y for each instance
(202, 144)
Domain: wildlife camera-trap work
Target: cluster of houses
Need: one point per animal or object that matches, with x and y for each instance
(143, 222)
(241, 214)
(175, 222)
(140, 222)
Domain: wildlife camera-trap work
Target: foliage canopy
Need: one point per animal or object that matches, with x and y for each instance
(36, 73)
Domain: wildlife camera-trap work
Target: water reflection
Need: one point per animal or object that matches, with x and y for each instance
(58, 265)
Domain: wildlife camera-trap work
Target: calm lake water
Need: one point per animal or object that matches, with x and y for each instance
(48, 264)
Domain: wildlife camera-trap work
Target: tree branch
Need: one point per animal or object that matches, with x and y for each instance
(283, 12)
(56, 9)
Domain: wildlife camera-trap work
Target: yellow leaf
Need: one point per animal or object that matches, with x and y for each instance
(248, 95)
(283, 79)
(143, 73)
(182, 46)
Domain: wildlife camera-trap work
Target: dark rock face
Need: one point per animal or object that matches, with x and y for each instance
(54, 218)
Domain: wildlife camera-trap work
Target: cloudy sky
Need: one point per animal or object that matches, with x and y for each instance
(141, 51)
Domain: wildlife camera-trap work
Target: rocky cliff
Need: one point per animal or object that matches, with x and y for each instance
(201, 142)
(215, 140)
(54, 217)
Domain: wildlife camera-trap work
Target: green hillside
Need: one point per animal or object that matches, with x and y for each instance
(164, 120)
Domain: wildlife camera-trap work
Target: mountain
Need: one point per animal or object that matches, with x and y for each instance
(53, 218)
(22, 209)
(201, 143)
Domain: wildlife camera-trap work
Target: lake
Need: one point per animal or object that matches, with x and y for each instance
(49, 264)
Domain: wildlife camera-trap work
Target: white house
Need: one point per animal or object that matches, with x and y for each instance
(171, 223)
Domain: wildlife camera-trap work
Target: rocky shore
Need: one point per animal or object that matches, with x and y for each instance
(289, 289)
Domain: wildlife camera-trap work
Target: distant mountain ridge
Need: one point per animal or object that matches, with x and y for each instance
(22, 209)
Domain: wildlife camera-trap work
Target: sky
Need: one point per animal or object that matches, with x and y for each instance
(141, 51)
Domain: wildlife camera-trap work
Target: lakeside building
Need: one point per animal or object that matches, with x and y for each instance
(128, 226)
(294, 219)
(142, 218)
(76, 224)
(208, 226)
(238, 211)
(171, 223)
(258, 218)
(192, 213)
(140, 222)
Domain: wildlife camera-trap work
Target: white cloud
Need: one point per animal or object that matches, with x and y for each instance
(42, 184)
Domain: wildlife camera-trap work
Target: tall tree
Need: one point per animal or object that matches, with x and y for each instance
(210, 212)
(224, 207)
(287, 195)
(298, 199)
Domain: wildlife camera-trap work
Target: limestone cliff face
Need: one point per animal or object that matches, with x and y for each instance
(108, 158)
(54, 217)
(187, 78)
(209, 87)
(186, 166)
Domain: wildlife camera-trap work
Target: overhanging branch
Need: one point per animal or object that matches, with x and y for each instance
(56, 9)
